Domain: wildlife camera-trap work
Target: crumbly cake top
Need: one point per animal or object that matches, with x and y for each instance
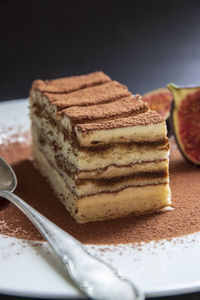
(120, 108)
(144, 119)
(106, 92)
(95, 102)
(69, 84)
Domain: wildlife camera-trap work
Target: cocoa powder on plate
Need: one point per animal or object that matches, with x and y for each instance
(183, 220)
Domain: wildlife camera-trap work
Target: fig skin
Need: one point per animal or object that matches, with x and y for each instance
(182, 96)
(164, 99)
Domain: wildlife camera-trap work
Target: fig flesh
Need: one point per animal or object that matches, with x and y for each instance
(185, 119)
(159, 100)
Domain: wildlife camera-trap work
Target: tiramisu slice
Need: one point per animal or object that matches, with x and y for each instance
(104, 152)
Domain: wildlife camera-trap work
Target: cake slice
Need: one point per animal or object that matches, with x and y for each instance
(104, 152)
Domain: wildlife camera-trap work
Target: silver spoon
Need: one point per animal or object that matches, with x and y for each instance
(92, 276)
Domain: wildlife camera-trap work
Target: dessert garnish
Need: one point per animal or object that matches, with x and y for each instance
(185, 119)
(160, 100)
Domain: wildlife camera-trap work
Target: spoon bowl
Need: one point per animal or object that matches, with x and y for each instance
(8, 179)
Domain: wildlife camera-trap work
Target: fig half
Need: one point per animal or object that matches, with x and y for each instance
(185, 119)
(160, 100)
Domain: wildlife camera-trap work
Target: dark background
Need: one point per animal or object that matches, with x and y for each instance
(144, 44)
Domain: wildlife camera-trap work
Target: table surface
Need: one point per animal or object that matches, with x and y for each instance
(145, 46)
(195, 296)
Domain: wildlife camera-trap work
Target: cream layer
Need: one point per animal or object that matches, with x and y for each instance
(90, 160)
(152, 132)
(131, 200)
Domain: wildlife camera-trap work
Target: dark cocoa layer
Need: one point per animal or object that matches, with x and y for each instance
(127, 145)
(119, 179)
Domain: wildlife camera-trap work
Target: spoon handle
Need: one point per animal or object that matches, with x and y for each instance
(95, 278)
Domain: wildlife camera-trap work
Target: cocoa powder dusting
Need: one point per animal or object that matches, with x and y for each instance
(184, 219)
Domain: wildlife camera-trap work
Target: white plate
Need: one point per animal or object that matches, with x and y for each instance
(160, 269)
